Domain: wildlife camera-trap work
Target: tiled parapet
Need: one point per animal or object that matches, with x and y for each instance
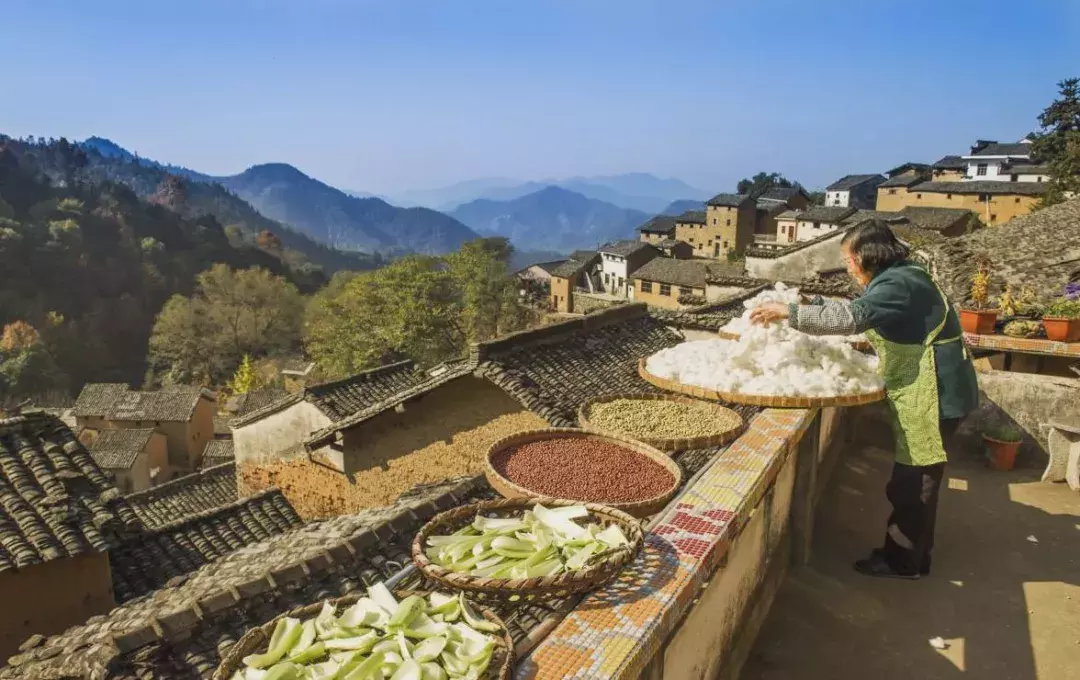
(1005, 343)
(615, 631)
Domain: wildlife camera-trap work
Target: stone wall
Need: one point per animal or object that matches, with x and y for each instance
(803, 263)
(584, 303)
(1027, 400)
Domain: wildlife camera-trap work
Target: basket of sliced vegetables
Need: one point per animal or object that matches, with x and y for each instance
(425, 635)
(526, 548)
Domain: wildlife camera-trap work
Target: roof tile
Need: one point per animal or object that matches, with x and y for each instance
(118, 449)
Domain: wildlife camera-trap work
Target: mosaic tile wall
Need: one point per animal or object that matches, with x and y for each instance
(1004, 343)
(617, 630)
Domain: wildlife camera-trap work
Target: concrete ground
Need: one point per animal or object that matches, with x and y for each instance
(1004, 594)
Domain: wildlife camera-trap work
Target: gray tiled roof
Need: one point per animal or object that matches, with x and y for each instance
(342, 398)
(950, 163)
(676, 272)
(849, 182)
(691, 217)
(181, 631)
(821, 213)
(118, 449)
(1040, 250)
(148, 560)
(583, 255)
(1025, 169)
(782, 194)
(860, 216)
(579, 260)
(904, 167)
(935, 219)
(174, 404)
(983, 187)
(217, 451)
(730, 200)
(55, 501)
(771, 207)
(624, 248)
(257, 399)
(1005, 149)
(789, 215)
(661, 224)
(208, 488)
(97, 399)
(901, 181)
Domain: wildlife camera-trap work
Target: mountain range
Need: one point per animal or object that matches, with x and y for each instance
(638, 191)
(328, 215)
(552, 218)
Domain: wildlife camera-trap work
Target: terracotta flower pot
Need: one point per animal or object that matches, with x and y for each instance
(1002, 454)
(1060, 329)
(978, 321)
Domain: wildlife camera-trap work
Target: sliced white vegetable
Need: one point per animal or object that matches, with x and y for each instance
(408, 670)
(557, 522)
(383, 597)
(432, 671)
(613, 536)
(286, 633)
(429, 649)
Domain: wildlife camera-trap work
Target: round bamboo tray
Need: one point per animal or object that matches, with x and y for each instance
(861, 345)
(601, 568)
(772, 401)
(678, 444)
(642, 508)
(256, 639)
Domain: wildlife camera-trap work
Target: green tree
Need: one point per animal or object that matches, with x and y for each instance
(1058, 142)
(762, 182)
(231, 314)
(489, 294)
(245, 379)
(27, 369)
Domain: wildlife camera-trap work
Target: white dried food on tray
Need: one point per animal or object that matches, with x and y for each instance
(784, 295)
(770, 361)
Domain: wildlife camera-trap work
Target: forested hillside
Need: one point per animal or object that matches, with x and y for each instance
(87, 266)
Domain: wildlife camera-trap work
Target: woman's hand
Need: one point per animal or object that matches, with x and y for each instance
(769, 312)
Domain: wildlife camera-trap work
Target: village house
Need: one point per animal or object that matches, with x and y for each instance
(278, 430)
(948, 169)
(909, 170)
(676, 250)
(134, 458)
(618, 261)
(787, 224)
(690, 229)
(579, 272)
(994, 202)
(805, 225)
(730, 222)
(218, 452)
(987, 159)
(185, 415)
(792, 197)
(853, 191)
(1026, 172)
(658, 229)
(765, 227)
(892, 193)
(539, 272)
(671, 283)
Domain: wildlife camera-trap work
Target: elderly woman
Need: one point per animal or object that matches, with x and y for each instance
(928, 374)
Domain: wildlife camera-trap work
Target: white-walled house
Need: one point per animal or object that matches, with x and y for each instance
(820, 220)
(853, 191)
(619, 260)
(989, 160)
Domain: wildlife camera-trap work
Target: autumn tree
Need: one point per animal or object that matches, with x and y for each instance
(27, 369)
(1058, 142)
(231, 314)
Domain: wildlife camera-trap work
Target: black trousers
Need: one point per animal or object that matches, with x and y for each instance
(913, 492)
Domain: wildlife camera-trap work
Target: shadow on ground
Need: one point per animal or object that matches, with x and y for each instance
(1004, 593)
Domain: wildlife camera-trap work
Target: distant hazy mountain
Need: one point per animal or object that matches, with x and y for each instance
(331, 216)
(640, 191)
(681, 206)
(553, 219)
(327, 215)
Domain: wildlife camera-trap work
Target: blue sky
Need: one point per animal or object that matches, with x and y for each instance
(385, 96)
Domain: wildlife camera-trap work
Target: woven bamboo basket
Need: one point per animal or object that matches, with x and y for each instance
(759, 399)
(668, 444)
(642, 508)
(256, 640)
(861, 345)
(600, 569)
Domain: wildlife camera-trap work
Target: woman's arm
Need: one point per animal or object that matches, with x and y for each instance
(884, 303)
(829, 317)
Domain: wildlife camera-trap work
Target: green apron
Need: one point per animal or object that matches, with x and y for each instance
(910, 373)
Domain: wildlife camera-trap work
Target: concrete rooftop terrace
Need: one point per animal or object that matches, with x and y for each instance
(1004, 593)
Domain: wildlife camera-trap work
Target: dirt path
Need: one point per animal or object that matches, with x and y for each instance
(1007, 606)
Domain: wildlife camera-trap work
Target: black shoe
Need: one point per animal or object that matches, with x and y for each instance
(924, 570)
(876, 566)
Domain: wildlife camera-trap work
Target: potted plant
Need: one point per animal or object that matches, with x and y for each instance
(978, 318)
(1061, 319)
(1002, 443)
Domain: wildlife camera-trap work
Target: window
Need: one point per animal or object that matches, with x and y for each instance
(993, 218)
(714, 221)
(918, 195)
(948, 195)
(728, 223)
(1039, 178)
(980, 169)
(646, 286)
(710, 242)
(984, 198)
(892, 191)
(683, 290)
(725, 245)
(622, 282)
(1018, 200)
(665, 289)
(691, 239)
(1012, 178)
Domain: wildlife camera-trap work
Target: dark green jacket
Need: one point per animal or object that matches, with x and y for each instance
(904, 306)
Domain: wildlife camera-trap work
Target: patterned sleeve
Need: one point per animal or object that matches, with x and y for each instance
(827, 317)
